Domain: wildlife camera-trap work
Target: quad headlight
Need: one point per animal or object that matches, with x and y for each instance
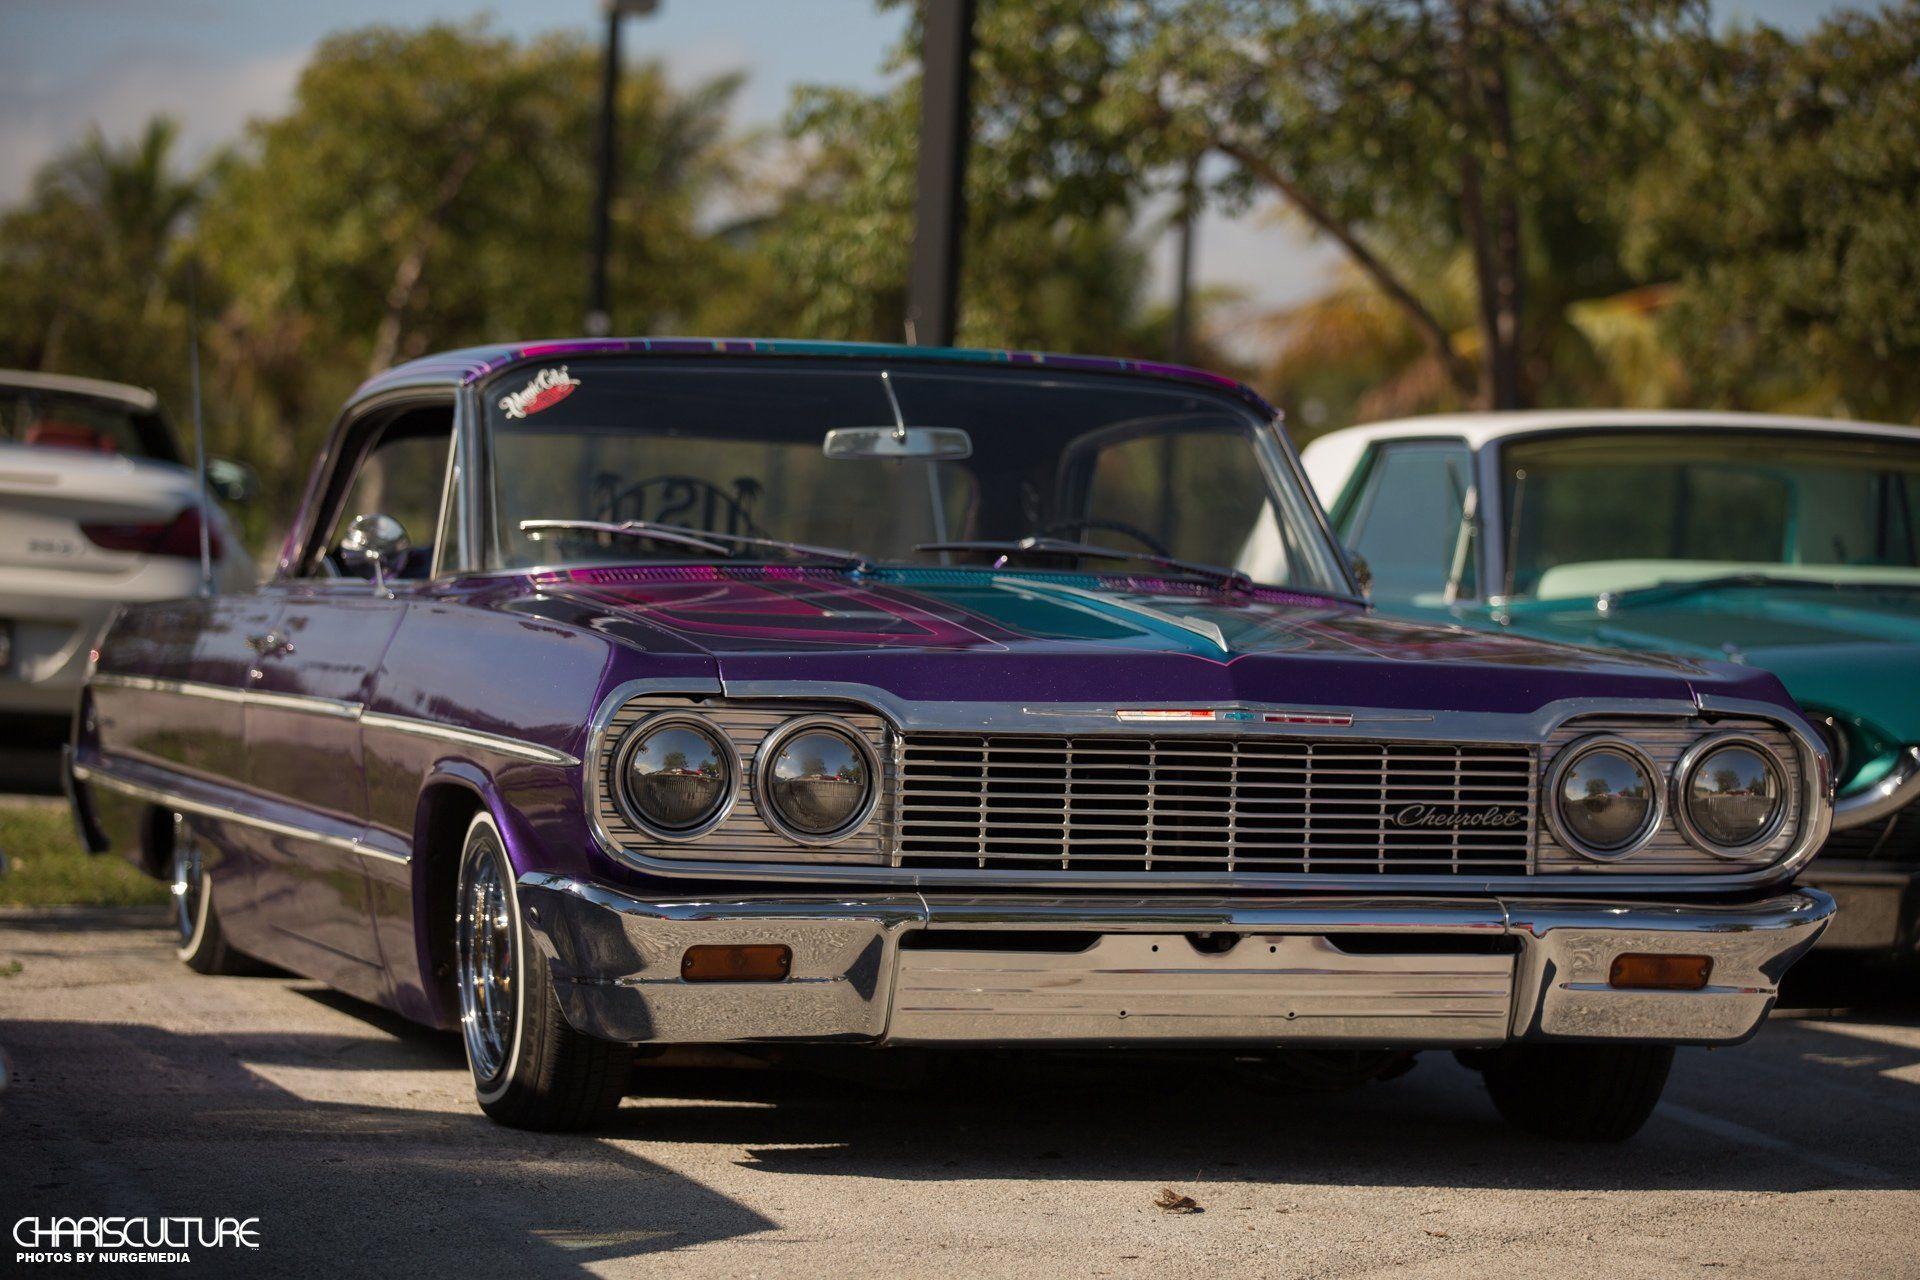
(1604, 798)
(815, 780)
(1731, 795)
(675, 776)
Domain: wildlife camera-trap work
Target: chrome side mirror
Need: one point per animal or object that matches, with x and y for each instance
(232, 481)
(378, 542)
(1362, 572)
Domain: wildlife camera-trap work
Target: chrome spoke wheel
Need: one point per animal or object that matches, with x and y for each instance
(188, 886)
(487, 960)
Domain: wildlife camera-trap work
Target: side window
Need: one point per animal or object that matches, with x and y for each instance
(1405, 519)
(402, 476)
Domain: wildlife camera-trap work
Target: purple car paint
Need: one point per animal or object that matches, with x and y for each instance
(324, 743)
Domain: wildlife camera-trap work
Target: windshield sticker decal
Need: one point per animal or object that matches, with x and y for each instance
(548, 388)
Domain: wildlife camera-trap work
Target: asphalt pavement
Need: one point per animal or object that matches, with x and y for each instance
(135, 1087)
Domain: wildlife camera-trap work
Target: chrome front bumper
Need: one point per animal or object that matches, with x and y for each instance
(925, 969)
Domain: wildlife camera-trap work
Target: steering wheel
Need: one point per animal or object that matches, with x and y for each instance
(1079, 529)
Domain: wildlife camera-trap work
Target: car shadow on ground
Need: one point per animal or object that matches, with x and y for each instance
(129, 1119)
(361, 1145)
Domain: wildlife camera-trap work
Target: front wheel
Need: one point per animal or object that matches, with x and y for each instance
(202, 944)
(530, 1069)
(1578, 1092)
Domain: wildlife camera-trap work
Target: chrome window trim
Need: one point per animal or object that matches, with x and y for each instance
(173, 800)
(630, 738)
(1532, 729)
(1690, 760)
(337, 709)
(769, 812)
(1568, 757)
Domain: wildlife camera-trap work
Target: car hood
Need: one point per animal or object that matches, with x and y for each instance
(945, 635)
(1851, 648)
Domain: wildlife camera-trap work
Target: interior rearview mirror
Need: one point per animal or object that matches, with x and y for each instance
(899, 442)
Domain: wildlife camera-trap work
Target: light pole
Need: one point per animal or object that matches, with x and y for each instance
(945, 93)
(598, 322)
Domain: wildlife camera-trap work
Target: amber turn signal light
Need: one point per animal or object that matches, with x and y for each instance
(1660, 973)
(761, 962)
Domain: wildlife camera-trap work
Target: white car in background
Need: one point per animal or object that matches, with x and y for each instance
(98, 508)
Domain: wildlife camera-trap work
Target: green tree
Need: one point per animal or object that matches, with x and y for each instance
(1787, 207)
(1045, 262)
(1415, 134)
(430, 189)
(92, 259)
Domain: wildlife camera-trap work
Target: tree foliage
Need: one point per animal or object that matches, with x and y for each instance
(1554, 200)
(1787, 207)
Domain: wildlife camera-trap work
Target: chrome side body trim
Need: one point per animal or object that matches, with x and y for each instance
(1533, 728)
(336, 709)
(505, 746)
(223, 693)
(1480, 970)
(1900, 788)
(179, 802)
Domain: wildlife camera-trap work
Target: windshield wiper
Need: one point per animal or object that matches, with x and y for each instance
(700, 539)
(1232, 579)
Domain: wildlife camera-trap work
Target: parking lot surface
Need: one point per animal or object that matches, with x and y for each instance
(136, 1087)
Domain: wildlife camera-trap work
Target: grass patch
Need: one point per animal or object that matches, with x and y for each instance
(46, 867)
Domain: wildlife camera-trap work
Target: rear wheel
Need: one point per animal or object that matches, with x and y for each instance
(202, 945)
(1577, 1092)
(530, 1069)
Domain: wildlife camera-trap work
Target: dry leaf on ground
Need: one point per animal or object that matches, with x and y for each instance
(1171, 1201)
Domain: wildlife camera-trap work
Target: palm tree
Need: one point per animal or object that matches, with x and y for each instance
(131, 194)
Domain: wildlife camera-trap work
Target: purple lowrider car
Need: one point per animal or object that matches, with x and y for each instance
(656, 693)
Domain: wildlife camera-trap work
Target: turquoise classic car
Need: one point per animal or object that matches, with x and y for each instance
(1790, 544)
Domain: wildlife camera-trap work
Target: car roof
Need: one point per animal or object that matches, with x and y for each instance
(138, 398)
(1479, 428)
(1332, 457)
(470, 364)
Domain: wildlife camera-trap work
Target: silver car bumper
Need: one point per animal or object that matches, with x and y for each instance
(926, 969)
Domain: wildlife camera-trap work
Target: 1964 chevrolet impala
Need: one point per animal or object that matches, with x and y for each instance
(566, 721)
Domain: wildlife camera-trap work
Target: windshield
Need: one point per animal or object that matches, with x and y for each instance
(88, 424)
(1588, 514)
(740, 449)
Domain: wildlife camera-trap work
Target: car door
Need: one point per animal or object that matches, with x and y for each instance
(313, 674)
(311, 671)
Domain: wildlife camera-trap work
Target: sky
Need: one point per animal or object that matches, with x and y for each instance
(213, 64)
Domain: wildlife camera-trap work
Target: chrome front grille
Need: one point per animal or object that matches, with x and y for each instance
(1189, 804)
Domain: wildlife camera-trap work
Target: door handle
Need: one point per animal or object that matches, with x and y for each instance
(269, 644)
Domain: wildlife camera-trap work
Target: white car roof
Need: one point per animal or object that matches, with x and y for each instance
(1330, 459)
(138, 398)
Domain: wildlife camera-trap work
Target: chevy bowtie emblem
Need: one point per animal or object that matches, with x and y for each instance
(1150, 715)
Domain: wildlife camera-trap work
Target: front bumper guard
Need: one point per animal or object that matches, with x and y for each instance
(925, 969)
